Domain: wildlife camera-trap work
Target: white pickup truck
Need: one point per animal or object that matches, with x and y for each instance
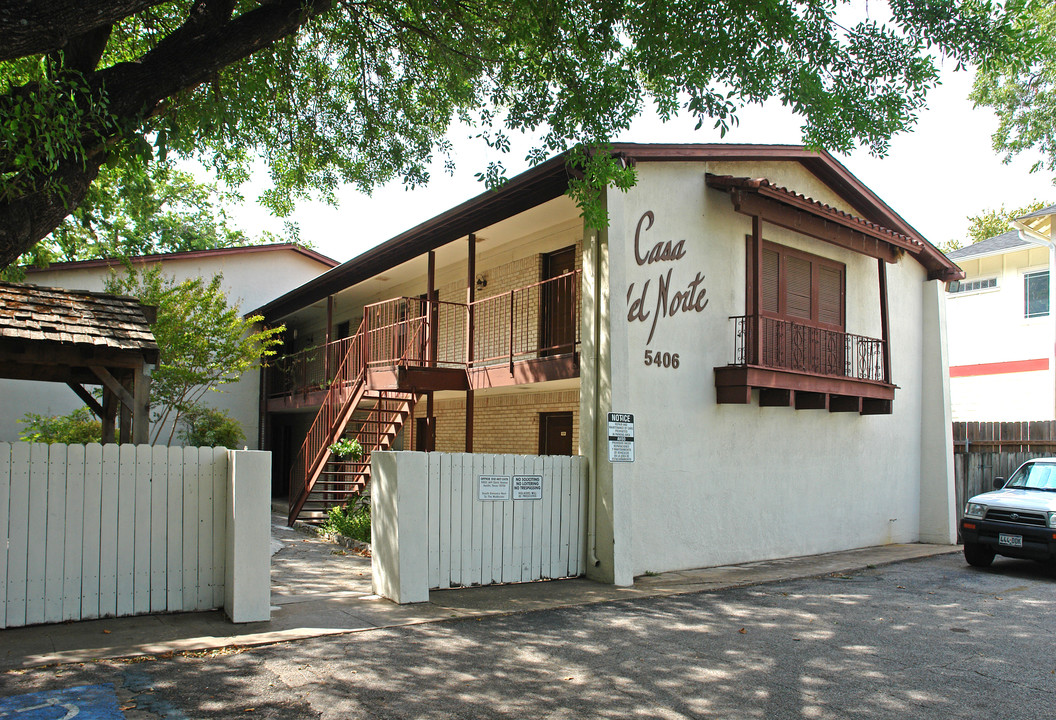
(1017, 519)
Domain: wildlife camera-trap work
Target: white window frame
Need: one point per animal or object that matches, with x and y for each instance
(1027, 274)
(960, 291)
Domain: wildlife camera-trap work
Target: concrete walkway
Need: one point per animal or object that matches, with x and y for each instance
(323, 589)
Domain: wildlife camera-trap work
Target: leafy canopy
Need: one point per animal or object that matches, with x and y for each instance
(142, 209)
(204, 342)
(339, 92)
(1021, 87)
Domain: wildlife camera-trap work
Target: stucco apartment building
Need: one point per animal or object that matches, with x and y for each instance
(772, 330)
(251, 276)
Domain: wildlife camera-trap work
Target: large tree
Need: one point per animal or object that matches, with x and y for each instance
(1021, 87)
(363, 91)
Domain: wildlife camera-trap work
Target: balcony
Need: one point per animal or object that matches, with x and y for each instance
(527, 334)
(805, 367)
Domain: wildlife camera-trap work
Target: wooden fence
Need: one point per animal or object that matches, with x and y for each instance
(98, 531)
(442, 520)
(985, 450)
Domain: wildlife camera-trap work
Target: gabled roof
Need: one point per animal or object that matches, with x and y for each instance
(190, 255)
(550, 180)
(1004, 242)
(75, 319)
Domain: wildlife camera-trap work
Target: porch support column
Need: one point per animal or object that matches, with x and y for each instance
(885, 334)
(327, 335)
(471, 294)
(430, 420)
(430, 295)
(755, 353)
(140, 406)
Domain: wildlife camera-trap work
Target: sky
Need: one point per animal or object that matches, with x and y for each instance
(935, 176)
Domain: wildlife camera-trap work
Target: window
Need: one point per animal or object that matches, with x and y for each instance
(966, 286)
(800, 287)
(1036, 294)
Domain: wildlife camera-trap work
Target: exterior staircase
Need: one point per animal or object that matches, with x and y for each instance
(319, 480)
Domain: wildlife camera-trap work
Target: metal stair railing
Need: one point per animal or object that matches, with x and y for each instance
(342, 396)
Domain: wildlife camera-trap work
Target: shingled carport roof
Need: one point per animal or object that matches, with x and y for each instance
(72, 324)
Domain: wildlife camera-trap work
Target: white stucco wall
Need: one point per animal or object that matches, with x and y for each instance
(715, 484)
(250, 279)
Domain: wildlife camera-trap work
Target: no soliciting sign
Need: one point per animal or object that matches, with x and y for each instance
(621, 437)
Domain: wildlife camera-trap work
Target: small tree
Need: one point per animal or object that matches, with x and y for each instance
(204, 342)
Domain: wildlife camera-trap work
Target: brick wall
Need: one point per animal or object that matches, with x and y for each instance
(507, 423)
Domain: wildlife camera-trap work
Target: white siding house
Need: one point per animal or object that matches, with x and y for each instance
(252, 276)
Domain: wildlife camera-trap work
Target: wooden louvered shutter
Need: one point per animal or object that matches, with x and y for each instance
(771, 279)
(830, 295)
(797, 287)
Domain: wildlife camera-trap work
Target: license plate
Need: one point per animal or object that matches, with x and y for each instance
(1010, 540)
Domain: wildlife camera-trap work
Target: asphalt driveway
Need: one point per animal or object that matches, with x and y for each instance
(930, 638)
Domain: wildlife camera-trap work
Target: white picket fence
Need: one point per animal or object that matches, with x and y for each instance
(431, 529)
(98, 531)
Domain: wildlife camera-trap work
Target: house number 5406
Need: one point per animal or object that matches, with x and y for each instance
(661, 359)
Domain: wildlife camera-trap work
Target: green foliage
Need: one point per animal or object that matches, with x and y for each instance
(347, 449)
(141, 210)
(78, 428)
(361, 94)
(991, 223)
(351, 521)
(209, 427)
(1021, 87)
(204, 342)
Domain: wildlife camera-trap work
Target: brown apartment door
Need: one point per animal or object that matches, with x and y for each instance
(555, 433)
(557, 316)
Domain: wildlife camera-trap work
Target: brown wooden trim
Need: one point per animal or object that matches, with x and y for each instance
(87, 398)
(757, 288)
(185, 255)
(845, 403)
(45, 353)
(771, 397)
(885, 327)
(807, 223)
(112, 384)
(734, 395)
(811, 400)
(873, 406)
(759, 377)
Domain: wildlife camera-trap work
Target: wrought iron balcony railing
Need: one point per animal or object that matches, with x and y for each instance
(801, 348)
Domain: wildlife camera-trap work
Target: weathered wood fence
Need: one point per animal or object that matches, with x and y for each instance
(985, 450)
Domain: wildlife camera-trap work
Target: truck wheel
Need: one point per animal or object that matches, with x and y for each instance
(978, 555)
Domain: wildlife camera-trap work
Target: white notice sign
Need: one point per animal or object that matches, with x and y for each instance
(621, 437)
(493, 487)
(527, 487)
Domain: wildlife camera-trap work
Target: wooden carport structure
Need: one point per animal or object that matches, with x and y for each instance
(83, 338)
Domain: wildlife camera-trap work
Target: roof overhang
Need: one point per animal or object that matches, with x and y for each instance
(550, 180)
(785, 208)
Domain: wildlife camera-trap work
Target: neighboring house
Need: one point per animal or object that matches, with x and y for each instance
(773, 327)
(1000, 329)
(252, 276)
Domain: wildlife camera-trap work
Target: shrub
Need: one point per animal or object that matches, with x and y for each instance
(352, 521)
(347, 449)
(209, 427)
(78, 428)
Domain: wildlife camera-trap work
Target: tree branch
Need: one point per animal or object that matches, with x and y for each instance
(38, 27)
